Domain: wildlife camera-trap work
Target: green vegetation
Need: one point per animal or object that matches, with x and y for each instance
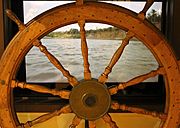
(154, 18)
(105, 33)
(72, 33)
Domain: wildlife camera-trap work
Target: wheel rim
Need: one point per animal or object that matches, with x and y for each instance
(71, 13)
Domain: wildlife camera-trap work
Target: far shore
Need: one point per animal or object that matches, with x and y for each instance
(110, 33)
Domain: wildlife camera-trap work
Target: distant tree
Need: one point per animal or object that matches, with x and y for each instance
(154, 17)
(73, 31)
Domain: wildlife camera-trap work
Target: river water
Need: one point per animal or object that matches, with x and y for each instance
(135, 60)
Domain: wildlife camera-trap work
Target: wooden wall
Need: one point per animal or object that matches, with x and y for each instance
(176, 28)
(1, 28)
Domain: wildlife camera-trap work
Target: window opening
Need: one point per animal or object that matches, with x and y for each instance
(102, 39)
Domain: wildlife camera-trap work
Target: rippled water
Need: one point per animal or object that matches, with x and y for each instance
(136, 60)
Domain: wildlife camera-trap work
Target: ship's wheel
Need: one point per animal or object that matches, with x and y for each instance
(85, 99)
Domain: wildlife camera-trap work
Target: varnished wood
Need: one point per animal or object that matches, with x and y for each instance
(123, 107)
(115, 58)
(136, 80)
(72, 80)
(45, 117)
(107, 119)
(61, 93)
(92, 124)
(13, 17)
(84, 49)
(148, 4)
(75, 122)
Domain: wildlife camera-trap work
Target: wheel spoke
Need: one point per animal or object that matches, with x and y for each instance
(92, 124)
(84, 49)
(13, 17)
(148, 4)
(136, 80)
(72, 80)
(123, 107)
(79, 2)
(62, 93)
(107, 119)
(45, 117)
(75, 122)
(115, 58)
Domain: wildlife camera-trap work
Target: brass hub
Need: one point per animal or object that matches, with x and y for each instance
(90, 99)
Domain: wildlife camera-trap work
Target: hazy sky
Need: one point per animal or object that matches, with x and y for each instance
(34, 8)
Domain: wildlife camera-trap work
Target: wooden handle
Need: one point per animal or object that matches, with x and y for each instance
(148, 4)
(84, 49)
(14, 18)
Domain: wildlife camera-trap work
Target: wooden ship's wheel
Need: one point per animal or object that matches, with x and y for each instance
(84, 98)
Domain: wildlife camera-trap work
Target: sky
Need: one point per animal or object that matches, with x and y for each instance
(34, 8)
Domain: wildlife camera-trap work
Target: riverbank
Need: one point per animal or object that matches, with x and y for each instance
(111, 33)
